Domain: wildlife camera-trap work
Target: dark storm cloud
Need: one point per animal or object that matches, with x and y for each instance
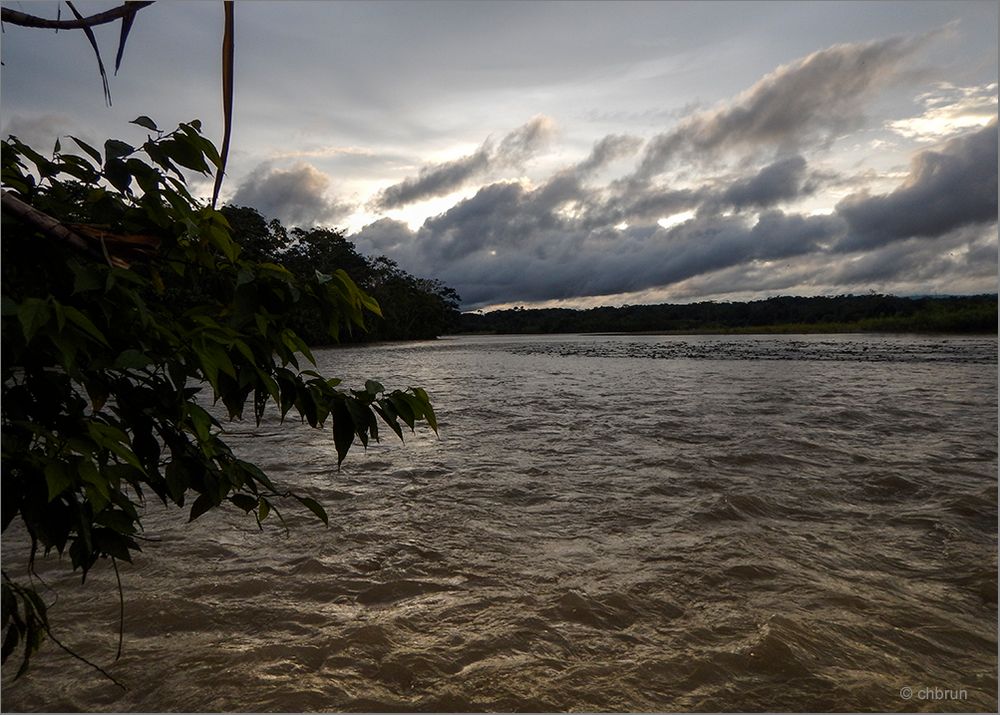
(383, 236)
(567, 238)
(564, 240)
(498, 215)
(812, 99)
(965, 252)
(441, 179)
(649, 257)
(296, 196)
(704, 245)
(509, 243)
(437, 180)
(784, 180)
(946, 189)
(640, 206)
(781, 181)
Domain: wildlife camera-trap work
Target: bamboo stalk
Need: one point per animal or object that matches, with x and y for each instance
(52, 228)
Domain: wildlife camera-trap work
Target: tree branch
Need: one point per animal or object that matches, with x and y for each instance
(42, 222)
(78, 238)
(102, 18)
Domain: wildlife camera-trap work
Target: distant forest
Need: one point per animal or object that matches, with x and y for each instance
(412, 308)
(843, 313)
(420, 308)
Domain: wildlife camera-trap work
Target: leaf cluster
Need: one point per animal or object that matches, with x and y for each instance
(107, 370)
(411, 308)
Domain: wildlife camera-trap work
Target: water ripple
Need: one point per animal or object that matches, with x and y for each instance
(607, 523)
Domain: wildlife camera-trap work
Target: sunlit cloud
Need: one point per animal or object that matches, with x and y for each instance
(675, 219)
(949, 110)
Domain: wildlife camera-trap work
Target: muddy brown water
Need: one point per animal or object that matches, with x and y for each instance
(606, 523)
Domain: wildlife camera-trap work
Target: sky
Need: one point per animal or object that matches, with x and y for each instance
(575, 154)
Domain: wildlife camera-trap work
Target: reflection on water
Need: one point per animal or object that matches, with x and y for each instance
(606, 523)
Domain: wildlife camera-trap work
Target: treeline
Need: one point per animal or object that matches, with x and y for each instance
(412, 308)
(843, 313)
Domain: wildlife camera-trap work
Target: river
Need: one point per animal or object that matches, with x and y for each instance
(605, 523)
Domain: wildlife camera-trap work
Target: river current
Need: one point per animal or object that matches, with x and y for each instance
(605, 523)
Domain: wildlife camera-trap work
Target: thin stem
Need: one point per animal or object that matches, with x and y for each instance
(79, 657)
(121, 609)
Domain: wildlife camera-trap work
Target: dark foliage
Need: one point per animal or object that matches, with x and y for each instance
(960, 314)
(127, 308)
(412, 308)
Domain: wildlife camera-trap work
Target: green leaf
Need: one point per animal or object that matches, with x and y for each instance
(343, 430)
(426, 408)
(244, 501)
(121, 521)
(186, 153)
(202, 504)
(83, 322)
(91, 151)
(388, 415)
(361, 419)
(314, 506)
(214, 360)
(10, 640)
(79, 168)
(85, 278)
(99, 490)
(133, 359)
(114, 149)
(294, 343)
(202, 422)
(370, 304)
(116, 171)
(60, 315)
(145, 122)
(57, 478)
(33, 313)
(113, 544)
(403, 408)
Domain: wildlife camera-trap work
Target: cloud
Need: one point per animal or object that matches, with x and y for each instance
(966, 262)
(385, 236)
(518, 146)
(562, 240)
(40, 131)
(812, 99)
(567, 237)
(441, 179)
(296, 196)
(509, 243)
(512, 243)
(946, 189)
(642, 205)
(437, 180)
(611, 147)
(949, 110)
(783, 180)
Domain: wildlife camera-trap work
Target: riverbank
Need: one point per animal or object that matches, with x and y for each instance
(781, 315)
